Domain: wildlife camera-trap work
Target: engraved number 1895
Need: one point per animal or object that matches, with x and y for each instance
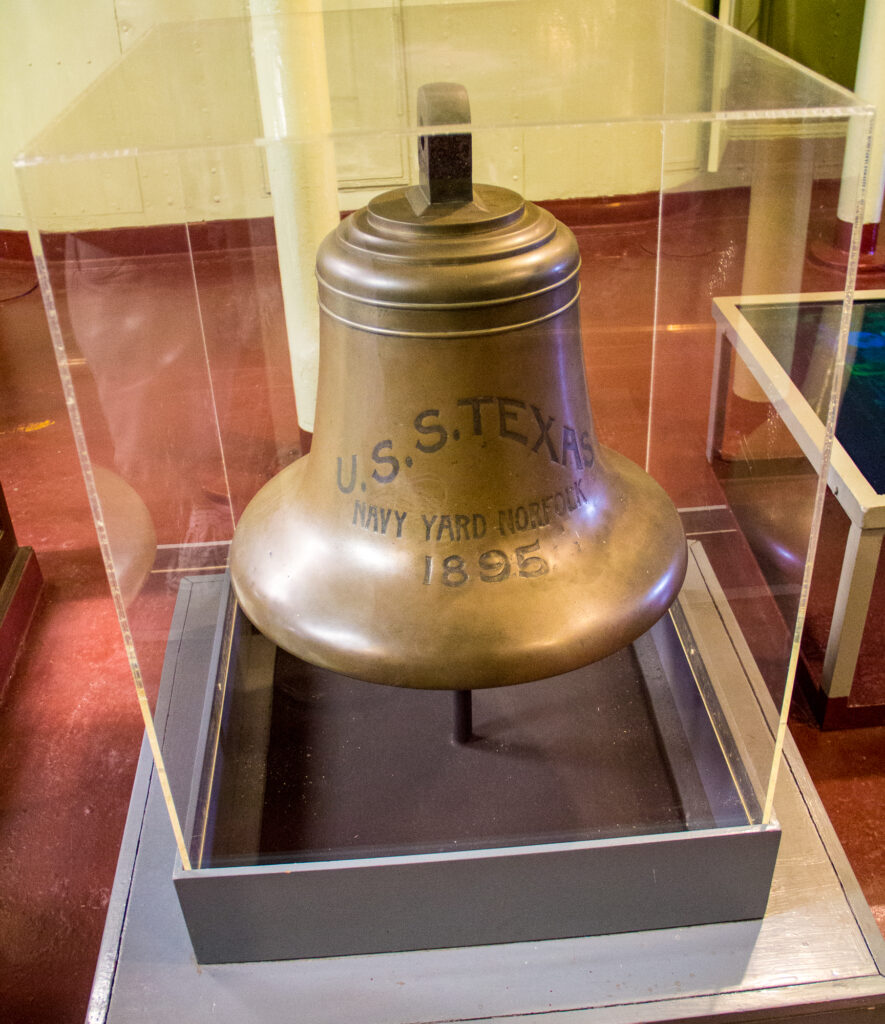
(493, 566)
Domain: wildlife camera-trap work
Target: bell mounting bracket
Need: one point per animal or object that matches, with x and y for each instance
(445, 162)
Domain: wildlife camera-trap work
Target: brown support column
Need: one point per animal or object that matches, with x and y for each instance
(20, 584)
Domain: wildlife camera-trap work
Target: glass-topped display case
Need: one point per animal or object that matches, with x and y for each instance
(777, 337)
(175, 212)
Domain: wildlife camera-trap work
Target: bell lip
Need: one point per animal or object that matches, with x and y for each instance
(576, 652)
(469, 678)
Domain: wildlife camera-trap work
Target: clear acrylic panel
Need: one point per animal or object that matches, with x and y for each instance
(175, 210)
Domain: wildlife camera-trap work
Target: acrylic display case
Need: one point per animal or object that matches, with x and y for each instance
(175, 210)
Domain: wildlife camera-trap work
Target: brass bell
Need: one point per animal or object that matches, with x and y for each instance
(456, 524)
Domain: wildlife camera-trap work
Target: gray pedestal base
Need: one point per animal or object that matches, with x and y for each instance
(816, 948)
(600, 801)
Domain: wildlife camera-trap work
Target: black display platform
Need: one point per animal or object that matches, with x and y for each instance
(356, 769)
(332, 816)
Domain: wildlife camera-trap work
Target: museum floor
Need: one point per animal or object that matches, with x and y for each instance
(70, 729)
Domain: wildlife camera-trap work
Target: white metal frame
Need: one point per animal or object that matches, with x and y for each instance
(864, 506)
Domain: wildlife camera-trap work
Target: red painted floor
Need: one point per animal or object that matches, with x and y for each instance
(70, 728)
